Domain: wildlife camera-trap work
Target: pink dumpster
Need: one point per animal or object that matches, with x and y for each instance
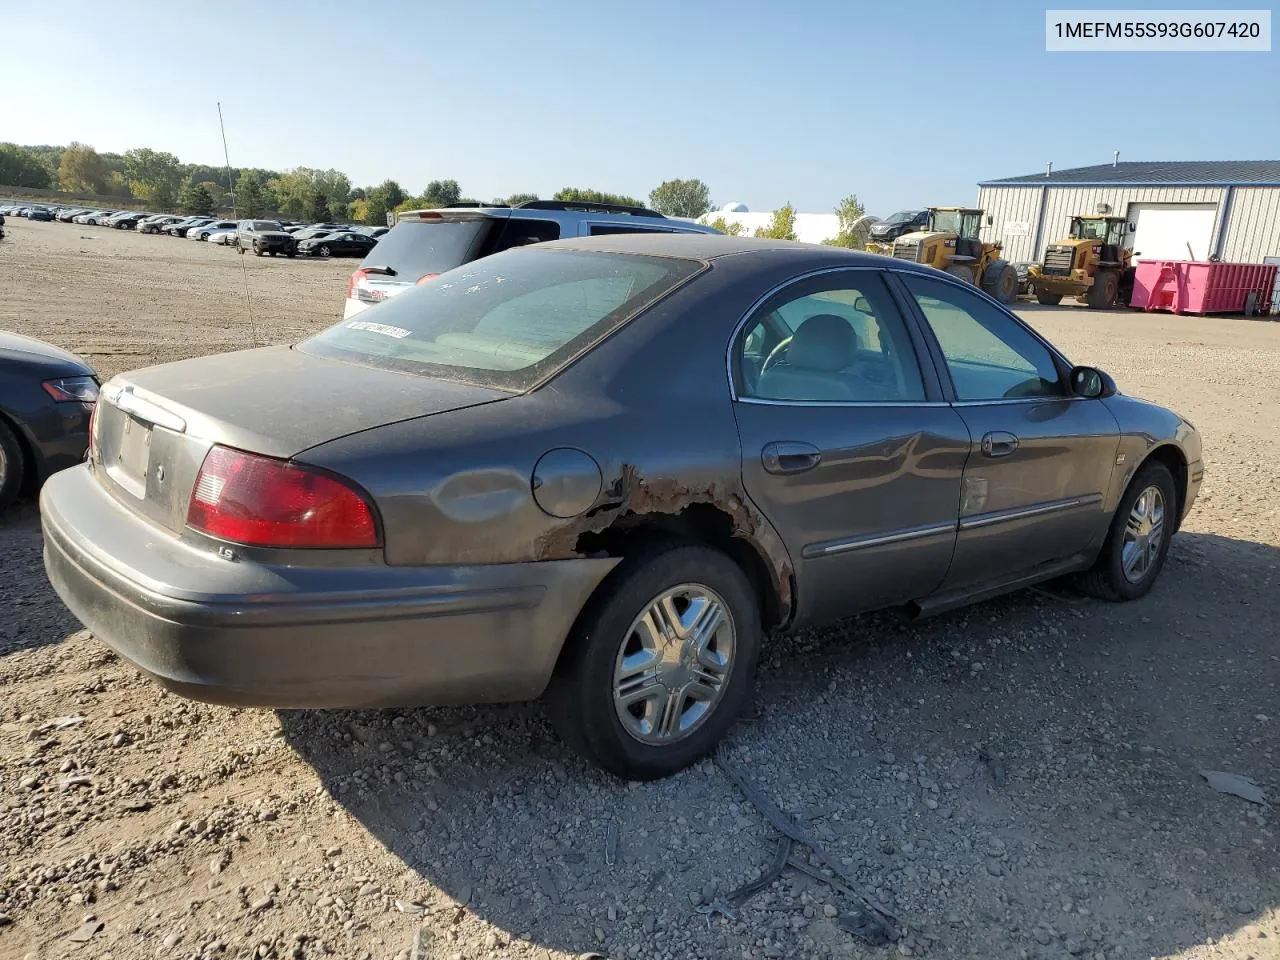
(1193, 286)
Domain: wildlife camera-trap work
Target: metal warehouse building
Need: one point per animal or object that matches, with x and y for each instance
(1227, 208)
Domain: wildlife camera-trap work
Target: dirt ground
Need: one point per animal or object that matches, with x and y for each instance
(150, 826)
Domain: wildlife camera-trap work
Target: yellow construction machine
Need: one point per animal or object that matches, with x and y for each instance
(950, 242)
(1092, 264)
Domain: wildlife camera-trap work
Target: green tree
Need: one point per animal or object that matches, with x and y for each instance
(318, 207)
(681, 198)
(518, 198)
(850, 210)
(164, 198)
(117, 185)
(378, 200)
(782, 226)
(587, 195)
(146, 169)
(195, 201)
(358, 210)
(441, 193)
(248, 194)
(20, 167)
(733, 229)
(82, 170)
(293, 191)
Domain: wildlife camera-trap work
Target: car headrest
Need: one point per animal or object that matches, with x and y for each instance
(823, 342)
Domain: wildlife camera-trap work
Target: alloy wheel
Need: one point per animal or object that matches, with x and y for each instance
(1143, 534)
(674, 664)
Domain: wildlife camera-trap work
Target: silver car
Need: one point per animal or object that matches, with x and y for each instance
(601, 471)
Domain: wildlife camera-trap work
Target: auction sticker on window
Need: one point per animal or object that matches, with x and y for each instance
(387, 331)
(1245, 31)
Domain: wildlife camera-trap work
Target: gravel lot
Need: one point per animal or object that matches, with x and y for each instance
(157, 827)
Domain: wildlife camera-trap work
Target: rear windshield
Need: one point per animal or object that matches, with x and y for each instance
(506, 321)
(412, 249)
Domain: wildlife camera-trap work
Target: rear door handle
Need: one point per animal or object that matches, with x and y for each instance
(789, 456)
(998, 443)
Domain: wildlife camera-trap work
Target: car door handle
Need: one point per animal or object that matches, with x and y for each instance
(789, 456)
(998, 443)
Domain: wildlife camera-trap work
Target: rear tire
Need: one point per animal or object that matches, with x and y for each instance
(1129, 563)
(1049, 299)
(1001, 281)
(1102, 295)
(582, 698)
(961, 270)
(11, 465)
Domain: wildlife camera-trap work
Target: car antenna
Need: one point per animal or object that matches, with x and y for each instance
(231, 188)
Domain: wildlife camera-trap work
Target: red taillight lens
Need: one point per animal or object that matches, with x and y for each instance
(426, 278)
(355, 282)
(264, 502)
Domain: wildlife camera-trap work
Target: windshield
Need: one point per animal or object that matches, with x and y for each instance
(505, 321)
(1088, 229)
(903, 216)
(946, 221)
(266, 225)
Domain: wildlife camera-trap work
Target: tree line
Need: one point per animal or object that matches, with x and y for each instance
(161, 181)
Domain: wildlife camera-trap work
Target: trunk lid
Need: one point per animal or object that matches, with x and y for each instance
(154, 426)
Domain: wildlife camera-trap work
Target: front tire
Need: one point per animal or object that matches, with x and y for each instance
(323, 251)
(1138, 541)
(1102, 295)
(961, 270)
(1000, 280)
(660, 662)
(11, 466)
(1049, 299)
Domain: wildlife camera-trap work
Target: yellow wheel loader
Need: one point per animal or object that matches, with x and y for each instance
(950, 243)
(1092, 265)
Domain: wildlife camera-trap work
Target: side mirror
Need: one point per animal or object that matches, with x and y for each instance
(1131, 226)
(1091, 383)
(862, 306)
(990, 219)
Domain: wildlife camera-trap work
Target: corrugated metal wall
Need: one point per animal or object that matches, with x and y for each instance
(1019, 205)
(1253, 225)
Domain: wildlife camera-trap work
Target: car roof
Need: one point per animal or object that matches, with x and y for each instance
(714, 246)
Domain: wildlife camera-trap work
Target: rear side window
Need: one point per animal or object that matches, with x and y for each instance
(506, 321)
(414, 249)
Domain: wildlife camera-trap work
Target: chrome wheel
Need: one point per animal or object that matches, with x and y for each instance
(674, 664)
(1143, 534)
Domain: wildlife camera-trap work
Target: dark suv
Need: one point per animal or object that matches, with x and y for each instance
(264, 236)
(901, 223)
(426, 243)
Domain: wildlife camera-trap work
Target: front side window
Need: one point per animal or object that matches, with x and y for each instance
(835, 338)
(506, 321)
(989, 355)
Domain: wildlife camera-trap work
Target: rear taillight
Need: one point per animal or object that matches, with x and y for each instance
(264, 502)
(426, 278)
(354, 282)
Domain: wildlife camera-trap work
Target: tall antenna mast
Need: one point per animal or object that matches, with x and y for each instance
(231, 187)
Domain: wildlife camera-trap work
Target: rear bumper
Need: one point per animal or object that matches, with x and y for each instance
(255, 634)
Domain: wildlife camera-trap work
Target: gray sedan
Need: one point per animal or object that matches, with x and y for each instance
(601, 471)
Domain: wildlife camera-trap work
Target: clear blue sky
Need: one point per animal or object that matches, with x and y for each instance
(903, 103)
